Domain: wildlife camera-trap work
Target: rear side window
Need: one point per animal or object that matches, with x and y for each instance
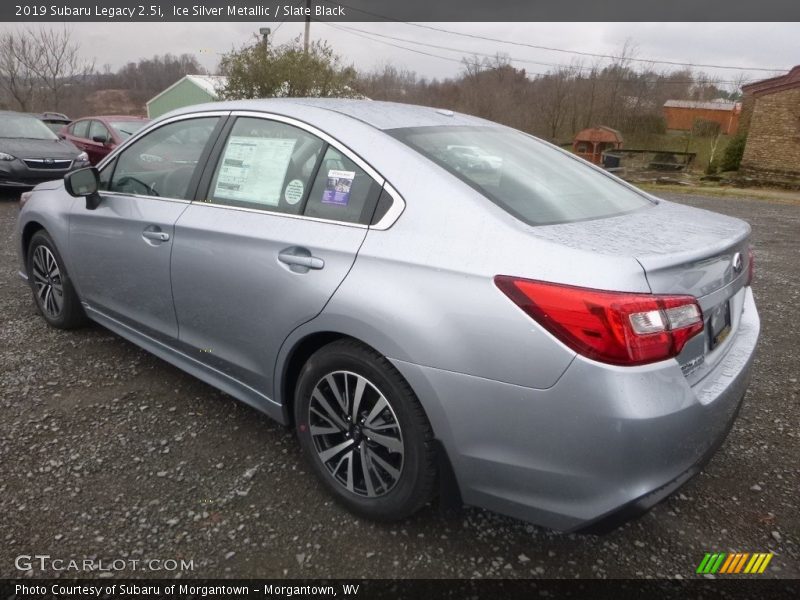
(266, 165)
(536, 183)
(273, 166)
(342, 191)
(80, 129)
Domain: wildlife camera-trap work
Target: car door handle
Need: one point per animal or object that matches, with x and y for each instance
(300, 259)
(155, 235)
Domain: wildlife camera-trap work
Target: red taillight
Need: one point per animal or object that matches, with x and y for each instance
(612, 327)
(751, 266)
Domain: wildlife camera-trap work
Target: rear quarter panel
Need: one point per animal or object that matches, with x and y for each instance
(423, 291)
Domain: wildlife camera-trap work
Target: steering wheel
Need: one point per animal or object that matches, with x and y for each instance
(149, 190)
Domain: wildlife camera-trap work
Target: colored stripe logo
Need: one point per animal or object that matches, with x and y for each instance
(733, 563)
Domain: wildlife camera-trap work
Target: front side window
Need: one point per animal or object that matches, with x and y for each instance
(266, 165)
(98, 132)
(534, 182)
(105, 175)
(163, 162)
(126, 129)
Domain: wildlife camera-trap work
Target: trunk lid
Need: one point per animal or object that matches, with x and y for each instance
(682, 250)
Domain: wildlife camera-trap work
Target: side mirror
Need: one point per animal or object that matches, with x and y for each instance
(84, 183)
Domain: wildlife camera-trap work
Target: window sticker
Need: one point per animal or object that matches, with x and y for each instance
(337, 189)
(294, 192)
(253, 169)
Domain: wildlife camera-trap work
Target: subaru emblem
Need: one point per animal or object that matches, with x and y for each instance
(48, 161)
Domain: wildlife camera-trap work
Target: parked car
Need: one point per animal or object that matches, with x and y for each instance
(98, 136)
(473, 158)
(555, 344)
(55, 121)
(30, 153)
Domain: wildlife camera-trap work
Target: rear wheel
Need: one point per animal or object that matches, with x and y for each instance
(364, 431)
(52, 288)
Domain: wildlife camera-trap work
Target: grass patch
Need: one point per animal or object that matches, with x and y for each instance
(678, 141)
(776, 196)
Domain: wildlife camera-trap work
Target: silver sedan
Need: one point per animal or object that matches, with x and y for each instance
(442, 307)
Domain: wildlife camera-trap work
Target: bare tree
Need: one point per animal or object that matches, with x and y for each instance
(60, 63)
(18, 79)
(556, 88)
(38, 65)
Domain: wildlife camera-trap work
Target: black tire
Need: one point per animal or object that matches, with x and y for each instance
(66, 312)
(417, 476)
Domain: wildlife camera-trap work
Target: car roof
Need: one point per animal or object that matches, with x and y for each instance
(113, 118)
(19, 114)
(49, 114)
(378, 114)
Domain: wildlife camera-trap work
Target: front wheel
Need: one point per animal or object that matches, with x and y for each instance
(52, 288)
(364, 431)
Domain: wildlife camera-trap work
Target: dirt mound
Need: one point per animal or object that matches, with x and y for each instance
(113, 102)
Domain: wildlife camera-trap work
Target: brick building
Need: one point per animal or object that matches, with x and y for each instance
(681, 115)
(771, 119)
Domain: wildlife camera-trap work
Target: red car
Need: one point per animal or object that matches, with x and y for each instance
(97, 136)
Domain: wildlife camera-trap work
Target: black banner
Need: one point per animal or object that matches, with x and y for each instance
(432, 589)
(401, 10)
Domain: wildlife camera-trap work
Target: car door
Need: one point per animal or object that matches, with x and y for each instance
(248, 264)
(77, 134)
(99, 144)
(123, 246)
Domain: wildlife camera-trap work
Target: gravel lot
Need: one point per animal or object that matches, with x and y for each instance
(109, 453)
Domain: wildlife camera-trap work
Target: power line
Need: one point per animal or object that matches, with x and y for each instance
(364, 34)
(464, 51)
(457, 60)
(285, 17)
(562, 50)
(399, 39)
(595, 55)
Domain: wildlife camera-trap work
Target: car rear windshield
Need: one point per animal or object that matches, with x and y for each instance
(535, 182)
(126, 129)
(24, 127)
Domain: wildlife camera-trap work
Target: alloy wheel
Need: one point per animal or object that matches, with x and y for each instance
(47, 279)
(356, 434)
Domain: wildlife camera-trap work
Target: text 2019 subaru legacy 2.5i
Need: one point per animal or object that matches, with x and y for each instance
(530, 335)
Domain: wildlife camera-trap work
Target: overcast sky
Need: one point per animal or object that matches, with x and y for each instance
(737, 44)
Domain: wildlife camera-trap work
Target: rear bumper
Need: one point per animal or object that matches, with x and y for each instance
(641, 505)
(601, 445)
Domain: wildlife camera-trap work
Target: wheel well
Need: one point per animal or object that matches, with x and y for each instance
(449, 493)
(27, 234)
(300, 354)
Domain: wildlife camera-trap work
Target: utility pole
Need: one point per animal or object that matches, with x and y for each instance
(308, 26)
(265, 31)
